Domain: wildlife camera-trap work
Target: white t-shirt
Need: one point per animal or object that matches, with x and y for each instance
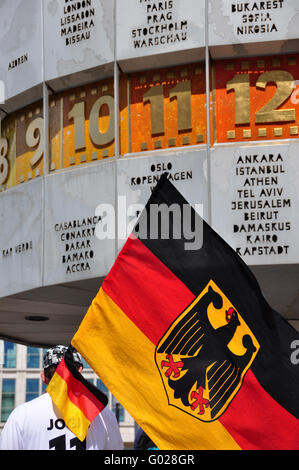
(38, 425)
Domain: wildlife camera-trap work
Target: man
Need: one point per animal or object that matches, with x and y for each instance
(38, 425)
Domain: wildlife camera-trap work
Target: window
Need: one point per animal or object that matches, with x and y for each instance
(44, 386)
(44, 350)
(32, 389)
(85, 364)
(33, 358)
(102, 387)
(118, 410)
(10, 355)
(8, 398)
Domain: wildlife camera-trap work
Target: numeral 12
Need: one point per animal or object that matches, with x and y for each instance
(268, 113)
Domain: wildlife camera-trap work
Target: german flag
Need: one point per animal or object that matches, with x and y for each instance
(78, 400)
(186, 341)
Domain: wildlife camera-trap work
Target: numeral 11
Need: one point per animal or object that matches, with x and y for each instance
(155, 95)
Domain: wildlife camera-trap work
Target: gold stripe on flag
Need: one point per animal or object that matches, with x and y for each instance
(124, 358)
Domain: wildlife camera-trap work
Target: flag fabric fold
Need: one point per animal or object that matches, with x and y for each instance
(186, 341)
(78, 400)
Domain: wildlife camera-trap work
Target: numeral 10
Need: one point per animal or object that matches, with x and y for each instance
(155, 96)
(99, 138)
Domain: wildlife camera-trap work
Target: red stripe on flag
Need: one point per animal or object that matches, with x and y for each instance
(146, 290)
(263, 424)
(78, 394)
(152, 297)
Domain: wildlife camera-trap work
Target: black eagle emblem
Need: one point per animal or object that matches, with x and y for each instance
(198, 364)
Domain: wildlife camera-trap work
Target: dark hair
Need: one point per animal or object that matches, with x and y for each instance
(50, 371)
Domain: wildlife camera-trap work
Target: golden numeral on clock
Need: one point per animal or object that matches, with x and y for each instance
(240, 83)
(284, 82)
(97, 136)
(4, 165)
(269, 112)
(182, 92)
(156, 98)
(77, 113)
(35, 137)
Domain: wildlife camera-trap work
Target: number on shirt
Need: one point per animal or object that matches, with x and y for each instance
(59, 443)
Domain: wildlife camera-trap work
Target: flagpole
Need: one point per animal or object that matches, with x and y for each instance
(207, 69)
(116, 132)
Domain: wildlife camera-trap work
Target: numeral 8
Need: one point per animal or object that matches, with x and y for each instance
(4, 165)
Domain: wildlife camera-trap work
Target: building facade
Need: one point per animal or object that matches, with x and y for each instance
(97, 103)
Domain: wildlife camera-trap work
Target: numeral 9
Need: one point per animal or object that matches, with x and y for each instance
(35, 137)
